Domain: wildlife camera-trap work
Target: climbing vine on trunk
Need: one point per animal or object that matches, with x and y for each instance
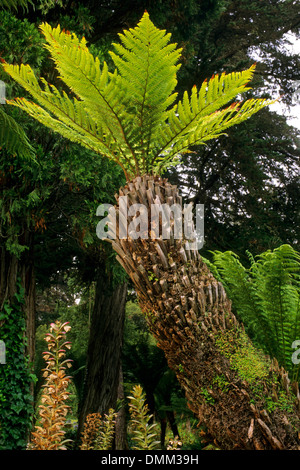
(16, 409)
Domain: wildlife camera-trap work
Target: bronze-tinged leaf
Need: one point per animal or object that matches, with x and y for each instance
(66, 327)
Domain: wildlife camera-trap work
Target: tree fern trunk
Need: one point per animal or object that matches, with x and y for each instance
(243, 399)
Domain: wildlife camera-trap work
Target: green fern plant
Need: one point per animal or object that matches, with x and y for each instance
(266, 298)
(130, 115)
(133, 116)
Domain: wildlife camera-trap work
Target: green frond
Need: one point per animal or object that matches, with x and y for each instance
(129, 115)
(71, 118)
(147, 62)
(13, 137)
(241, 291)
(200, 117)
(102, 93)
(266, 297)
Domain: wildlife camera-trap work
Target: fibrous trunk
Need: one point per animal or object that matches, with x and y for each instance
(243, 399)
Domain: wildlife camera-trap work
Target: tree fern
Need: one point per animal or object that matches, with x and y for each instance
(266, 298)
(129, 115)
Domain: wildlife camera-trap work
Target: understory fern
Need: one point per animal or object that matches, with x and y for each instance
(266, 298)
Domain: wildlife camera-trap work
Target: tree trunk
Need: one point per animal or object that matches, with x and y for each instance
(12, 268)
(243, 399)
(101, 386)
(29, 283)
(120, 441)
(8, 276)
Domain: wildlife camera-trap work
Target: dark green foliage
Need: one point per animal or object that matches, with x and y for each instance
(15, 4)
(266, 297)
(20, 41)
(16, 408)
(13, 137)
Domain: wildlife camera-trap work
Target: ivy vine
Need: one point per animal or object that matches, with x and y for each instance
(16, 403)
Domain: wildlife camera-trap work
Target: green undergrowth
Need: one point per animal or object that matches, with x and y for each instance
(253, 368)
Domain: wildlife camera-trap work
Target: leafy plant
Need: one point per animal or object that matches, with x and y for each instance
(129, 115)
(49, 432)
(106, 432)
(98, 432)
(145, 435)
(13, 137)
(16, 404)
(266, 298)
(90, 431)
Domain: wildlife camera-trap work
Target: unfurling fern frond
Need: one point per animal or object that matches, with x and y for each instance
(129, 115)
(266, 297)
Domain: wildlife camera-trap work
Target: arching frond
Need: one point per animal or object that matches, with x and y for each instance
(13, 137)
(69, 117)
(201, 116)
(147, 62)
(266, 297)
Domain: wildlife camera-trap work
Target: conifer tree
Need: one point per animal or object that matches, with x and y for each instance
(244, 399)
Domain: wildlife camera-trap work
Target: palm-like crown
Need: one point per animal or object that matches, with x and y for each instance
(131, 115)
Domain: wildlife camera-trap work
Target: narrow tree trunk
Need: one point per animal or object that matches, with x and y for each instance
(100, 390)
(244, 400)
(8, 276)
(120, 441)
(12, 268)
(29, 283)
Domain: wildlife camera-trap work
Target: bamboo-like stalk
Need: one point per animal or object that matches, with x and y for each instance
(187, 309)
